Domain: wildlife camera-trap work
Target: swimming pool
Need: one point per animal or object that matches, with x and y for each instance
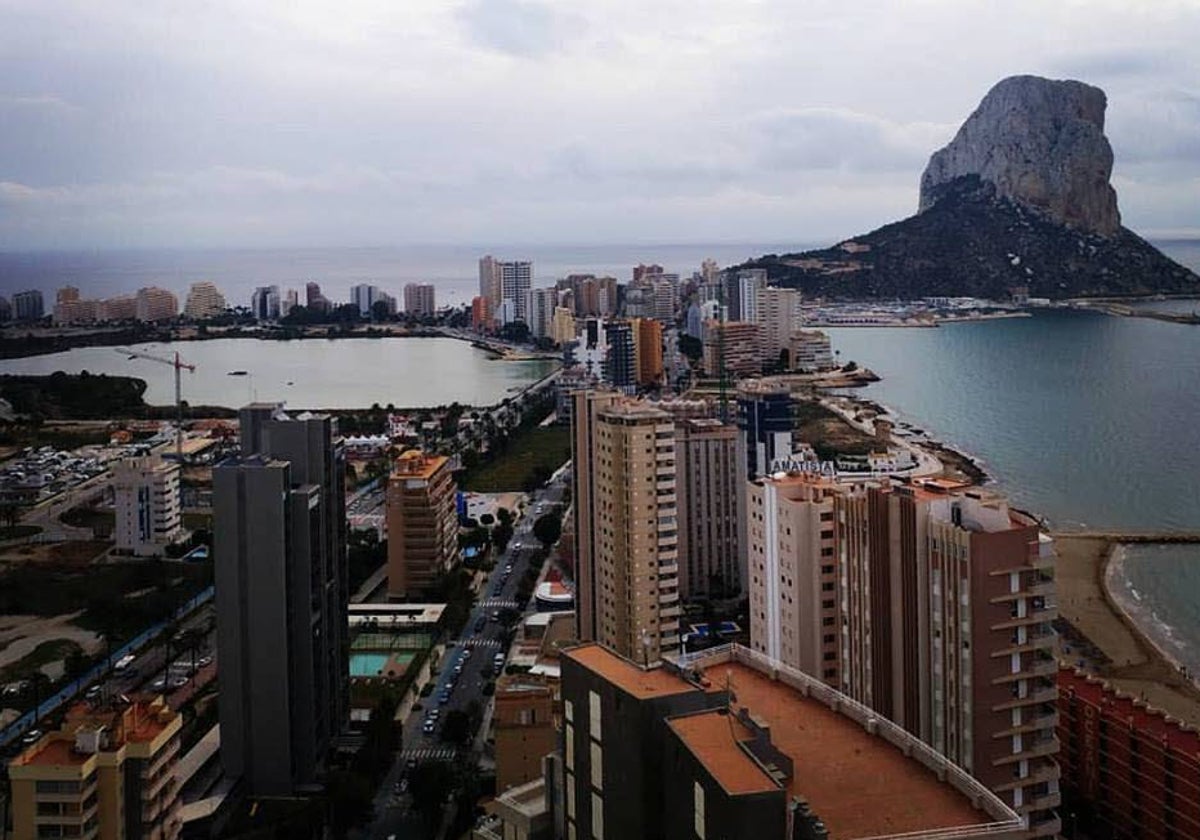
(367, 664)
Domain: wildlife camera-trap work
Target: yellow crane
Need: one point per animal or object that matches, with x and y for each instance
(180, 365)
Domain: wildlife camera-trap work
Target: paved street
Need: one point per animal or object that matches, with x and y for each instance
(472, 657)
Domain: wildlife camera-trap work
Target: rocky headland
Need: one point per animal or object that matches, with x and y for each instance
(1020, 199)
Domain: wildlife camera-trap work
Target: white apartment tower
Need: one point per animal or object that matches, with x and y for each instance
(148, 508)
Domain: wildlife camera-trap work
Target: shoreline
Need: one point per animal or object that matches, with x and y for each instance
(1118, 591)
(1137, 660)
(1109, 641)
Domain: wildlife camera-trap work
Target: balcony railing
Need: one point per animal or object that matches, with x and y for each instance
(1005, 819)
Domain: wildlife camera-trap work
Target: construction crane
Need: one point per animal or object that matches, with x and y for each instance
(179, 365)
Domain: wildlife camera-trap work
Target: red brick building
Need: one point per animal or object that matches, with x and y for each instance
(1128, 769)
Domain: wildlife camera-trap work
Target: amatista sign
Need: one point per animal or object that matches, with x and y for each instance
(791, 465)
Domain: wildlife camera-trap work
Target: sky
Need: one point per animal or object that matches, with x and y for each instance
(225, 123)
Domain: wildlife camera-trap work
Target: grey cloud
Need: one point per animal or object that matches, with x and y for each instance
(1107, 64)
(521, 28)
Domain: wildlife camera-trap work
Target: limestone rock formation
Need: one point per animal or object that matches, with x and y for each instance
(1041, 143)
(1019, 199)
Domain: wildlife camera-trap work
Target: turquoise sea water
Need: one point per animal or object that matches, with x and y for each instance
(1090, 420)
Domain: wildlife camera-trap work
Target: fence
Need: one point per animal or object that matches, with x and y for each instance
(55, 701)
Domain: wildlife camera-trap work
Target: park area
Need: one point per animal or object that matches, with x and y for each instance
(525, 461)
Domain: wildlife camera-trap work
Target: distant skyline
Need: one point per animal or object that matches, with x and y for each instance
(280, 124)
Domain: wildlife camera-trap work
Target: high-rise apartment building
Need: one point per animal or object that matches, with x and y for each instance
(155, 304)
(810, 351)
(419, 300)
(69, 308)
(585, 406)
(28, 305)
(619, 367)
(742, 290)
(108, 772)
(540, 308)
(264, 303)
(6, 311)
(481, 314)
(279, 547)
(119, 308)
(364, 296)
(731, 745)
(634, 528)
(422, 523)
(291, 299)
(737, 344)
(931, 606)
(648, 351)
(313, 299)
(515, 280)
(706, 467)
(489, 282)
(204, 300)
(1129, 769)
(562, 327)
(147, 502)
(778, 318)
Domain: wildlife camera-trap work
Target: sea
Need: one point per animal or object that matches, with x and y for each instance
(1091, 421)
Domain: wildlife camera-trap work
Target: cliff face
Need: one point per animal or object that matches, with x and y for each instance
(1041, 144)
(1019, 198)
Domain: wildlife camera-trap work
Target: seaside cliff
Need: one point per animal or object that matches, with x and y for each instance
(1020, 199)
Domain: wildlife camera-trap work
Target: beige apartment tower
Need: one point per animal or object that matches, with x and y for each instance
(585, 405)
(108, 773)
(422, 523)
(630, 587)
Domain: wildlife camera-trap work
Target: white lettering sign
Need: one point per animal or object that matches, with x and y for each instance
(791, 465)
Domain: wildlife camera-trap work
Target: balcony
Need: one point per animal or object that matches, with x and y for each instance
(667, 569)
(1047, 771)
(1033, 724)
(1029, 670)
(665, 598)
(1044, 695)
(1045, 825)
(1044, 802)
(1035, 748)
(673, 611)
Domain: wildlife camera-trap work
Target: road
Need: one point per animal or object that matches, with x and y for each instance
(482, 638)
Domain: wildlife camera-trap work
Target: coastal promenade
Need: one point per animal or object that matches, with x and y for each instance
(1102, 637)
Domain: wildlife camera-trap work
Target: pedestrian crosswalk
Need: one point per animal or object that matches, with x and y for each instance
(498, 603)
(429, 754)
(480, 642)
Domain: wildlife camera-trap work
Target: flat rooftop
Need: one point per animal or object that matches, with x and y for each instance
(642, 683)
(417, 464)
(712, 737)
(858, 784)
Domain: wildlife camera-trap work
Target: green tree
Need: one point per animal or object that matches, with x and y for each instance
(548, 528)
(691, 347)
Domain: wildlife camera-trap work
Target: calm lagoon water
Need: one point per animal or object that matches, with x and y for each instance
(312, 373)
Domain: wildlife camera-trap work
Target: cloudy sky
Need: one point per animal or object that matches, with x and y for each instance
(363, 122)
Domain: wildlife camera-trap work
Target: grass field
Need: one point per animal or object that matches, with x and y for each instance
(544, 447)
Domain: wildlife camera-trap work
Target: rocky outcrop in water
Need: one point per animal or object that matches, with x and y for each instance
(1019, 199)
(1041, 144)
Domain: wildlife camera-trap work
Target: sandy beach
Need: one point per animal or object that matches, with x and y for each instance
(1118, 650)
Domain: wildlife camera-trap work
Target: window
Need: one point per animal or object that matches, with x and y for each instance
(570, 739)
(569, 710)
(597, 767)
(698, 809)
(570, 796)
(597, 817)
(594, 709)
